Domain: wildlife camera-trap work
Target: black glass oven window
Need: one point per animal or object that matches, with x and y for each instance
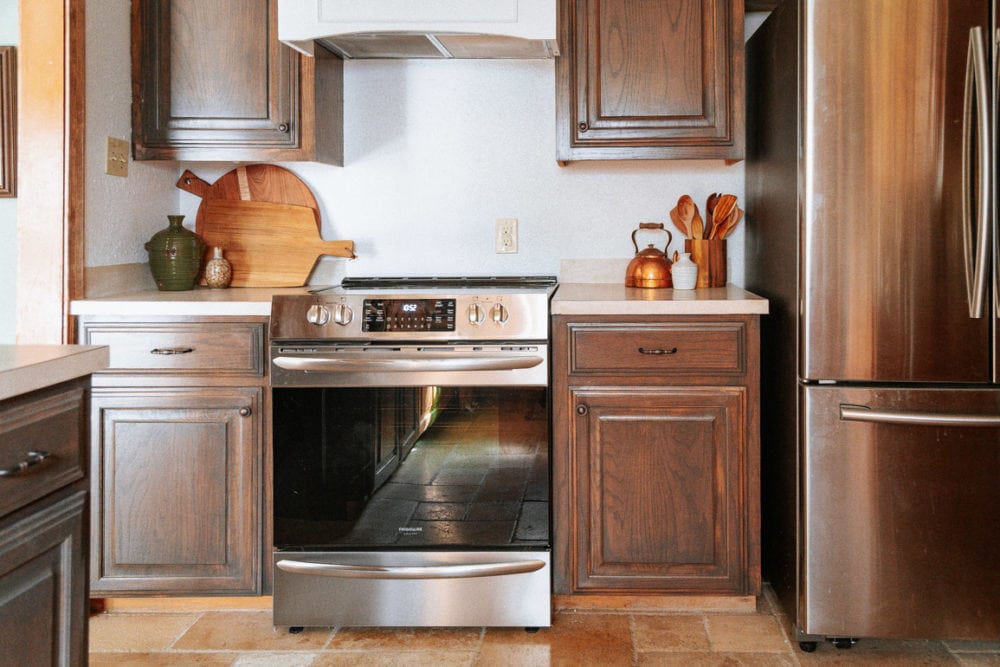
(411, 467)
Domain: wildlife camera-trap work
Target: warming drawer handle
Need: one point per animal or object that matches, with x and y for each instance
(171, 350)
(406, 572)
(862, 413)
(474, 363)
(32, 459)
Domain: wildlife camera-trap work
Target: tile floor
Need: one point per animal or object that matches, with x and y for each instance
(577, 637)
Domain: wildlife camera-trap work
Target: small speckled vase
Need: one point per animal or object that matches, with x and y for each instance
(175, 256)
(218, 270)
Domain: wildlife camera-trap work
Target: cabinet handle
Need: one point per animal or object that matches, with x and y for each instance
(33, 459)
(171, 350)
(245, 412)
(582, 409)
(583, 127)
(284, 127)
(657, 350)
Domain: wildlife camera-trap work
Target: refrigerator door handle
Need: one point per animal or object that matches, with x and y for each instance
(863, 413)
(976, 113)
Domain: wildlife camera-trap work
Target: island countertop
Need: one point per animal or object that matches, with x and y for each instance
(26, 368)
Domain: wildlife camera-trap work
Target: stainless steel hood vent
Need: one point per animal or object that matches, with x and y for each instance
(421, 29)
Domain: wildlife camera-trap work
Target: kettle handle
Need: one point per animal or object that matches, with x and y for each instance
(652, 225)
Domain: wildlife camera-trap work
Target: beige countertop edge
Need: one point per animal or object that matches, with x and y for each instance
(245, 301)
(26, 368)
(616, 299)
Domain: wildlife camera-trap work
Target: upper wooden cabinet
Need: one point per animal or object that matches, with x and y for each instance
(210, 81)
(650, 79)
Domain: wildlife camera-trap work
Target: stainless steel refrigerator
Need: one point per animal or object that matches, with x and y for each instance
(871, 227)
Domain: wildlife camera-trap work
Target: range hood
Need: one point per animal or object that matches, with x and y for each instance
(421, 28)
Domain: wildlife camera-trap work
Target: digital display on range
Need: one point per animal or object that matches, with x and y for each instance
(409, 315)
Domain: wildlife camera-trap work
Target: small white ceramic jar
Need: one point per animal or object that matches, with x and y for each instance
(684, 272)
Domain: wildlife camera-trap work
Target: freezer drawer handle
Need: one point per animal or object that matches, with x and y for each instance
(427, 572)
(862, 413)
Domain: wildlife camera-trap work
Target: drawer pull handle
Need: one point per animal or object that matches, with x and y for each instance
(657, 350)
(33, 459)
(244, 412)
(171, 350)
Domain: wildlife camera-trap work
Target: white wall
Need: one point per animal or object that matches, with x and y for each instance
(435, 152)
(9, 34)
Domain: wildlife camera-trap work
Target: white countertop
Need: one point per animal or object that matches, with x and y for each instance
(616, 299)
(254, 301)
(26, 368)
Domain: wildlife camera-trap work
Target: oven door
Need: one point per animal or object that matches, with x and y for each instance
(411, 467)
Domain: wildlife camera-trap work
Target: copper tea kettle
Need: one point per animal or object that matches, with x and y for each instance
(650, 266)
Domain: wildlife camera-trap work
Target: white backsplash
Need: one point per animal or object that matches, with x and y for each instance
(435, 152)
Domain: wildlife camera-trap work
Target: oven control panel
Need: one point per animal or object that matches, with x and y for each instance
(408, 315)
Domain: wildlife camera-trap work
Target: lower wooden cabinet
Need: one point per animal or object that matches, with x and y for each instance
(43, 494)
(177, 505)
(655, 447)
(178, 456)
(43, 594)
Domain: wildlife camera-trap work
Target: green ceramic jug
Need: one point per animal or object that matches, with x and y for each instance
(175, 255)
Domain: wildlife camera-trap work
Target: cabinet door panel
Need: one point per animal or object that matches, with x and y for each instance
(177, 503)
(650, 80)
(42, 585)
(659, 478)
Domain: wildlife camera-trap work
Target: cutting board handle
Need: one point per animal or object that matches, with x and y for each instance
(191, 183)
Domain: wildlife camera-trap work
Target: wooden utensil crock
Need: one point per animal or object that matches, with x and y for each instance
(710, 256)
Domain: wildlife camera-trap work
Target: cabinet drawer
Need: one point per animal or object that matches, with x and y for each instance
(41, 444)
(209, 348)
(679, 348)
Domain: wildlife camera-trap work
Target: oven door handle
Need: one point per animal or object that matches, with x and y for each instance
(467, 571)
(408, 365)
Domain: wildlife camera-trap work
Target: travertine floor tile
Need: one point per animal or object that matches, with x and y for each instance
(137, 632)
(406, 639)
(715, 660)
(573, 639)
(248, 631)
(748, 633)
(669, 633)
(170, 659)
(396, 658)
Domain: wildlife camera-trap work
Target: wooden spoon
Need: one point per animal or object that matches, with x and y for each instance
(723, 208)
(730, 223)
(687, 210)
(675, 217)
(710, 220)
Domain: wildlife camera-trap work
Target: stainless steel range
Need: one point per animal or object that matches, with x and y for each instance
(411, 453)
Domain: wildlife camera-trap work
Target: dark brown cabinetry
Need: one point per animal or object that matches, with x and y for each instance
(655, 455)
(210, 81)
(43, 582)
(650, 80)
(177, 456)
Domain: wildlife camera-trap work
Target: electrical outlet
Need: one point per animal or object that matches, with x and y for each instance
(506, 235)
(116, 162)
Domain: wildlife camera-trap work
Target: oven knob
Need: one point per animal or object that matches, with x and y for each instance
(499, 313)
(342, 315)
(476, 314)
(318, 315)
